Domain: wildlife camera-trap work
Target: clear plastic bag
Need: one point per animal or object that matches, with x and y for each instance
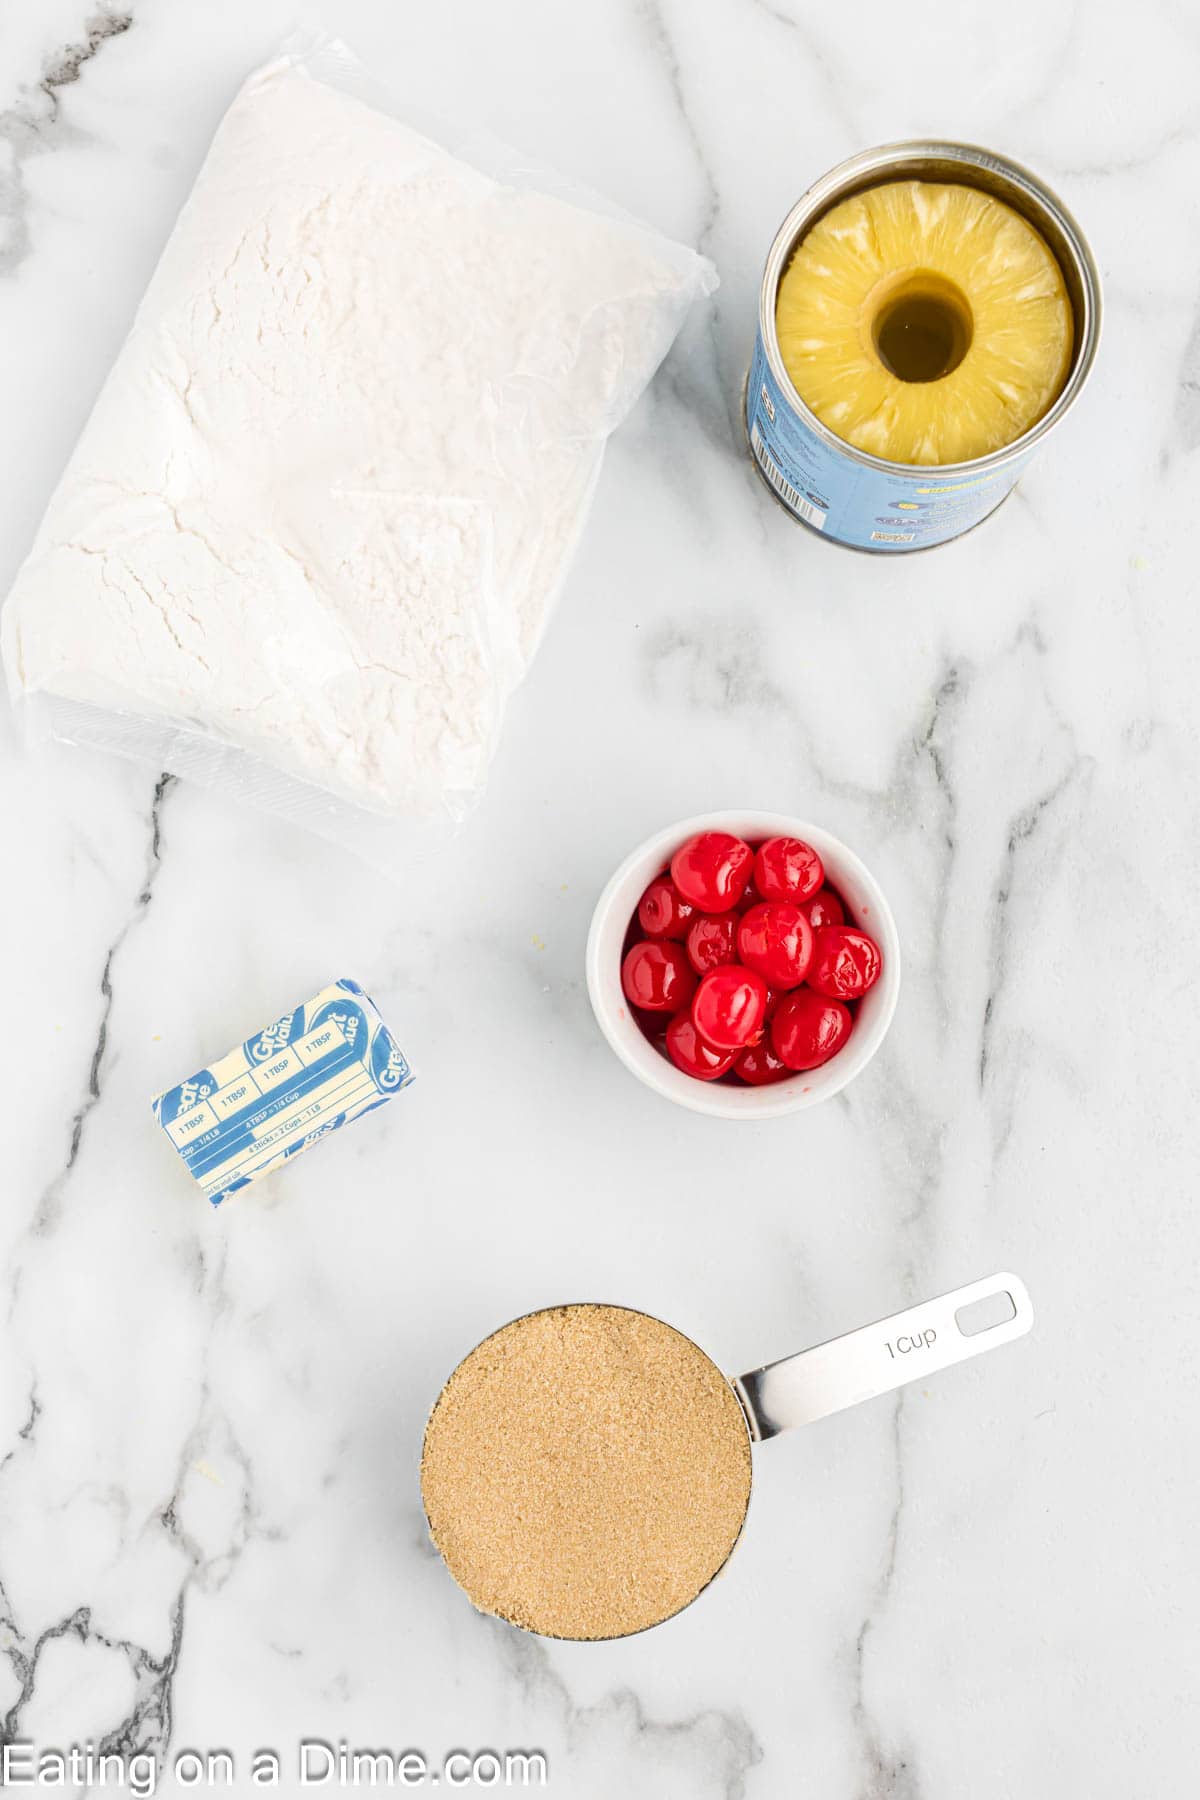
(311, 535)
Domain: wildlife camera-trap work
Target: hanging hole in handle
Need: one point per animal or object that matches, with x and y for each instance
(985, 1314)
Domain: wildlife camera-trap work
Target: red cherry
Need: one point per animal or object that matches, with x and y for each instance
(712, 869)
(845, 962)
(711, 941)
(808, 1029)
(786, 868)
(776, 939)
(825, 908)
(657, 976)
(689, 1052)
(760, 1066)
(663, 911)
(729, 1007)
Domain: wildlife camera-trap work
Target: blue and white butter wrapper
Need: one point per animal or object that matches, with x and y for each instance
(318, 1067)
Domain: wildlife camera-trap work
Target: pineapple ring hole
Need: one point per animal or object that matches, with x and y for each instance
(921, 326)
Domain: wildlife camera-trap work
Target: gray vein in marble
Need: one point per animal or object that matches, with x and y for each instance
(697, 390)
(36, 124)
(1127, 165)
(837, 85)
(668, 55)
(25, 1434)
(887, 1777)
(696, 405)
(932, 748)
(715, 1749)
(776, 13)
(719, 663)
(911, 1142)
(68, 64)
(1023, 829)
(715, 664)
(1187, 403)
(213, 1436)
(35, 1411)
(147, 1726)
(50, 1207)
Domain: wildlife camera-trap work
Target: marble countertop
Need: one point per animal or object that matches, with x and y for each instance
(210, 1529)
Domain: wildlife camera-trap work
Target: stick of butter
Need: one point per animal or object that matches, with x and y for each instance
(319, 1066)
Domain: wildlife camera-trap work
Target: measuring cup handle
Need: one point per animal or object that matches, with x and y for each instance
(878, 1358)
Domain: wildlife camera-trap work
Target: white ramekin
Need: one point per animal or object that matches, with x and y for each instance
(610, 922)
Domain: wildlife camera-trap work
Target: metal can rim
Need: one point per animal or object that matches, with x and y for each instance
(845, 178)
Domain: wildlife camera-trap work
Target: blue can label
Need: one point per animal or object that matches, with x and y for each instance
(850, 501)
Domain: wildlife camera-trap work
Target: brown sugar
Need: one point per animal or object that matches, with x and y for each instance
(586, 1472)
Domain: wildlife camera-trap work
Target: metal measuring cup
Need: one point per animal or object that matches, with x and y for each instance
(860, 1365)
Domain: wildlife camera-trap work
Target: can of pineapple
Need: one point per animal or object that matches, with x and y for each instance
(900, 374)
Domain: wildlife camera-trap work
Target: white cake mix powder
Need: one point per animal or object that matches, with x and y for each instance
(325, 501)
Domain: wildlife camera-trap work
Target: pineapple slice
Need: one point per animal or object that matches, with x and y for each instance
(925, 322)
